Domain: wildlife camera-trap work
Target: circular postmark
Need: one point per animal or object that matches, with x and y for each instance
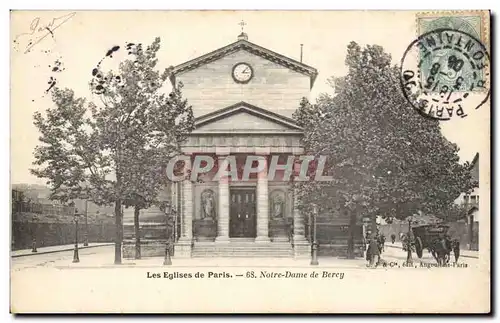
(445, 73)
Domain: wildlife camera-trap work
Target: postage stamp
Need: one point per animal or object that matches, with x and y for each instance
(472, 22)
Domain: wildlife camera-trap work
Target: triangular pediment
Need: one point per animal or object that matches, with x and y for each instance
(245, 118)
(250, 47)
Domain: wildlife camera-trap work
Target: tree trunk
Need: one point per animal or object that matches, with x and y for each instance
(373, 224)
(350, 238)
(137, 233)
(119, 232)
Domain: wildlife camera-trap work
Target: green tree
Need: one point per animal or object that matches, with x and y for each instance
(114, 151)
(385, 158)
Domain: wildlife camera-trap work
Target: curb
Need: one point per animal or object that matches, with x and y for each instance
(461, 255)
(60, 250)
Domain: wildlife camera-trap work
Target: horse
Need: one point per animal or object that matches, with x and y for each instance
(440, 249)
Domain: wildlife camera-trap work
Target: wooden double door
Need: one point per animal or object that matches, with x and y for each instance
(242, 217)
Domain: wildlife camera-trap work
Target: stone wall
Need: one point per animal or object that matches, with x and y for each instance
(53, 234)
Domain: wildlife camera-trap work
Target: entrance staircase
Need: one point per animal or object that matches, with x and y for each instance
(242, 247)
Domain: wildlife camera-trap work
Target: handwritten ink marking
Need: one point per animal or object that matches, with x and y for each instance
(38, 31)
(50, 31)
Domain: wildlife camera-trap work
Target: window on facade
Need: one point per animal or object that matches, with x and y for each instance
(473, 199)
(466, 199)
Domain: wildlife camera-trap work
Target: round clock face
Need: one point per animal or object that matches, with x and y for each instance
(242, 73)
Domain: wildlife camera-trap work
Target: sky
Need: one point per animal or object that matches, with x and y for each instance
(84, 38)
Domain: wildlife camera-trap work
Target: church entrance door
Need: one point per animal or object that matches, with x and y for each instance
(242, 220)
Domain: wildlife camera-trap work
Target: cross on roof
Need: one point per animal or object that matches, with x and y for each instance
(242, 24)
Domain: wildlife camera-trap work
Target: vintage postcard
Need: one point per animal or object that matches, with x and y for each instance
(250, 162)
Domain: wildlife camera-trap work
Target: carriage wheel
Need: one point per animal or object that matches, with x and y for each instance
(419, 247)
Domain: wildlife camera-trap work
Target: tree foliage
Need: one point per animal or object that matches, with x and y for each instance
(114, 151)
(385, 158)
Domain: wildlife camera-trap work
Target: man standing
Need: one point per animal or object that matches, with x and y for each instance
(456, 249)
(393, 238)
(373, 253)
(381, 242)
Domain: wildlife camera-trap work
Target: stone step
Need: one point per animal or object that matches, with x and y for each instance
(249, 253)
(243, 251)
(224, 255)
(242, 239)
(240, 248)
(244, 244)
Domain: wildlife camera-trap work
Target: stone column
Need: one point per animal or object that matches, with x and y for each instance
(223, 203)
(298, 220)
(188, 210)
(301, 247)
(181, 209)
(262, 201)
(183, 246)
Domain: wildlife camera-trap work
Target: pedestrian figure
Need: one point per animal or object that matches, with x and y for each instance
(373, 252)
(381, 242)
(449, 247)
(456, 249)
(393, 238)
(368, 253)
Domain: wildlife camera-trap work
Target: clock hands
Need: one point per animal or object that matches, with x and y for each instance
(242, 73)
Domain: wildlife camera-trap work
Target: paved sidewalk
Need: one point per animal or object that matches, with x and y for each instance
(105, 261)
(463, 252)
(52, 249)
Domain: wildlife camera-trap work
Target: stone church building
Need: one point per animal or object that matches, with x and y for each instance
(243, 97)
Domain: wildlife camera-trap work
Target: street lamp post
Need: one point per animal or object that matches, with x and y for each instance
(33, 244)
(167, 261)
(314, 255)
(76, 258)
(409, 259)
(175, 231)
(86, 233)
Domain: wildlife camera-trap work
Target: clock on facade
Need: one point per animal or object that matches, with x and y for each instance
(242, 73)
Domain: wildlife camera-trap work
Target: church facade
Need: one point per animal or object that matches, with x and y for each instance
(243, 97)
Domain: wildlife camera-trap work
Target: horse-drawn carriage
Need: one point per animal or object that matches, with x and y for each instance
(435, 238)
